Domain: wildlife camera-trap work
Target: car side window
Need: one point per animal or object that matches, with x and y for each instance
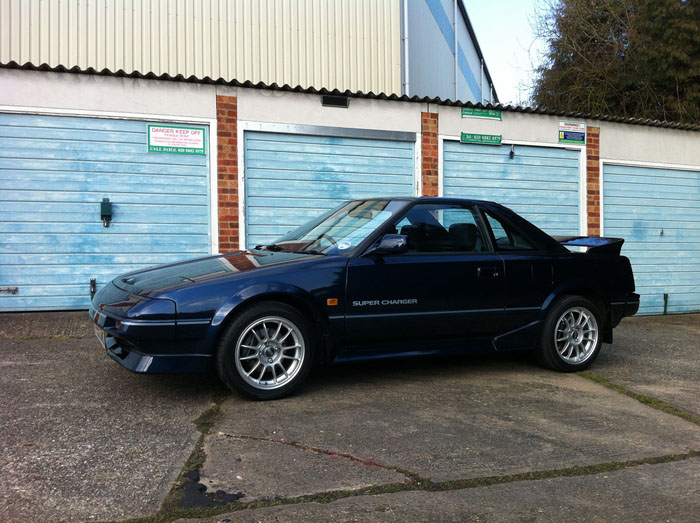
(507, 238)
(441, 228)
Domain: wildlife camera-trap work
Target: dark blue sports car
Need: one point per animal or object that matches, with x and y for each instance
(372, 278)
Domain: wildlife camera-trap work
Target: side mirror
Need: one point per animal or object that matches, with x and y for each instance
(392, 244)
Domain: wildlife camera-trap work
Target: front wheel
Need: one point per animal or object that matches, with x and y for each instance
(571, 335)
(266, 352)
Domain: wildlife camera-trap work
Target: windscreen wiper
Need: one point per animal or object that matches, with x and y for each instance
(277, 248)
(270, 247)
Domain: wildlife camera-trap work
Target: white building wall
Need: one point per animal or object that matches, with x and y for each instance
(649, 144)
(617, 141)
(105, 94)
(306, 109)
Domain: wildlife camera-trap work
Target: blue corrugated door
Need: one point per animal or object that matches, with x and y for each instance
(539, 183)
(55, 171)
(290, 178)
(657, 212)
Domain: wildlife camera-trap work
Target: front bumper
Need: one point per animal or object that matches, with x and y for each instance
(158, 363)
(147, 346)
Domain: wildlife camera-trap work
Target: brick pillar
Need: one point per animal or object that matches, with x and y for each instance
(593, 180)
(227, 167)
(429, 152)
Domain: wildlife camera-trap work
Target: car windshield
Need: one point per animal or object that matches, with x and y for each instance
(339, 230)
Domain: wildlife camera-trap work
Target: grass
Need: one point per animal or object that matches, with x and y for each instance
(642, 398)
(167, 514)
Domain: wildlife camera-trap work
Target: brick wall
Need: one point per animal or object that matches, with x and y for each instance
(593, 180)
(429, 152)
(227, 167)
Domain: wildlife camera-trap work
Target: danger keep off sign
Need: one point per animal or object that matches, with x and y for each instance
(175, 139)
(572, 132)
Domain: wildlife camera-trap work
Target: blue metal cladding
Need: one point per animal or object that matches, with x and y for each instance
(55, 171)
(290, 178)
(657, 212)
(539, 183)
(432, 68)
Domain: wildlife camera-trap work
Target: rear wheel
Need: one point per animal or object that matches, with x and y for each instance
(267, 351)
(571, 335)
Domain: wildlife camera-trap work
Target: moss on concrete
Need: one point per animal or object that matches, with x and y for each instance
(643, 398)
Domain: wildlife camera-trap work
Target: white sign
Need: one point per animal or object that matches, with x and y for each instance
(572, 132)
(172, 139)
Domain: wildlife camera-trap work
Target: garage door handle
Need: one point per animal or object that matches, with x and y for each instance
(487, 272)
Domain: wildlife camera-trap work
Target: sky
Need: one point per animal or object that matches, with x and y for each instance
(507, 40)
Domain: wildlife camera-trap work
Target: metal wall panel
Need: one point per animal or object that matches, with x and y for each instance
(290, 178)
(539, 183)
(345, 44)
(434, 40)
(430, 50)
(54, 172)
(657, 212)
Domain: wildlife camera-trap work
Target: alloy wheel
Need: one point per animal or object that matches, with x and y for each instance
(576, 335)
(269, 352)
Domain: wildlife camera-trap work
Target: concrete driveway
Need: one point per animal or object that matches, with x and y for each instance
(476, 438)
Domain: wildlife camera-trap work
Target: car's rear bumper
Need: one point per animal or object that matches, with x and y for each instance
(623, 308)
(632, 305)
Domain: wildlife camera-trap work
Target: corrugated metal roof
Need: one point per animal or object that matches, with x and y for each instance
(355, 94)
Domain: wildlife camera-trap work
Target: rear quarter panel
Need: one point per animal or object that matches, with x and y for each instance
(610, 277)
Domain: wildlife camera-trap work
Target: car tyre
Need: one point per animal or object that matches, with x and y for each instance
(267, 351)
(572, 335)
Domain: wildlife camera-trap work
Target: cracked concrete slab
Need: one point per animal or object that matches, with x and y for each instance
(264, 469)
(83, 438)
(450, 419)
(658, 356)
(667, 492)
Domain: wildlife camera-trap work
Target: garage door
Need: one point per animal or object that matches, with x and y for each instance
(657, 212)
(290, 178)
(55, 171)
(539, 183)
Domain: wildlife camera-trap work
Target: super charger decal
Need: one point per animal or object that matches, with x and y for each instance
(364, 303)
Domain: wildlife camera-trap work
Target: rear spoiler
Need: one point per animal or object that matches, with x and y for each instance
(595, 244)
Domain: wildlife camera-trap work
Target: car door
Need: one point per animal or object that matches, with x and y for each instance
(528, 280)
(449, 285)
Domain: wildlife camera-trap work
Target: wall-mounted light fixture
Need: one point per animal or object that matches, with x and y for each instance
(106, 211)
(512, 151)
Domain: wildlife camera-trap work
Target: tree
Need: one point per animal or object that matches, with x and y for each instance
(631, 58)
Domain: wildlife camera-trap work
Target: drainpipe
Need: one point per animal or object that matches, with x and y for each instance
(454, 25)
(481, 81)
(406, 81)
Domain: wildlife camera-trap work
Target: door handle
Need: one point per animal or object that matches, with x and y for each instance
(487, 272)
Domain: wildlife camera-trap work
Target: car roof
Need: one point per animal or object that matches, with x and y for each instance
(427, 199)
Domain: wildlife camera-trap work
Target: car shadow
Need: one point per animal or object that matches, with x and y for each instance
(438, 367)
